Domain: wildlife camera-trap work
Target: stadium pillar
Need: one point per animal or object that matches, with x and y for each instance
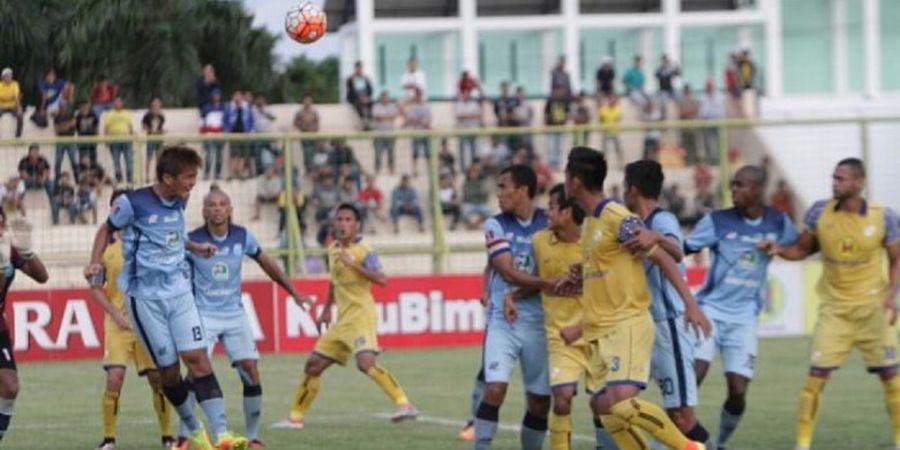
(365, 35)
(469, 37)
(570, 11)
(871, 47)
(774, 63)
(839, 47)
(672, 29)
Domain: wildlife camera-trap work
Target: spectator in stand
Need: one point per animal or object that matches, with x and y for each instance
(11, 98)
(504, 106)
(469, 84)
(343, 161)
(523, 116)
(704, 203)
(545, 174)
(34, 170)
(782, 199)
(673, 201)
(87, 124)
(268, 187)
(468, 117)
(610, 118)
(264, 151)
(732, 83)
(92, 171)
(117, 123)
(559, 78)
(475, 195)
(497, 157)
(359, 94)
(556, 113)
(50, 89)
(152, 124)
(667, 75)
(449, 199)
(384, 114)
(606, 78)
(63, 198)
(371, 199)
(413, 81)
(324, 199)
(85, 200)
(446, 160)
(703, 176)
(746, 70)
(212, 121)
(418, 117)
(405, 202)
(103, 95)
(650, 115)
(349, 193)
(206, 86)
(321, 162)
(634, 82)
(64, 126)
(581, 115)
(239, 119)
(688, 109)
(712, 107)
(306, 120)
(300, 210)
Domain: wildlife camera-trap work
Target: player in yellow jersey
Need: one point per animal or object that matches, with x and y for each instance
(122, 347)
(616, 318)
(354, 267)
(857, 302)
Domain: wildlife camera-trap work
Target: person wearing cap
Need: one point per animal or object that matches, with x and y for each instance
(11, 98)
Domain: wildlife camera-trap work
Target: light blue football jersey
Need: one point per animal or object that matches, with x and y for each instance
(506, 233)
(217, 279)
(666, 303)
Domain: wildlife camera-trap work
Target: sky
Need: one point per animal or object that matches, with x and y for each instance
(270, 14)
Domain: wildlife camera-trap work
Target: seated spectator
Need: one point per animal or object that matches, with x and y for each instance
(343, 161)
(265, 151)
(50, 89)
(324, 199)
(782, 199)
(556, 113)
(673, 201)
(212, 121)
(610, 117)
(299, 209)
(268, 187)
(207, 84)
(11, 98)
(103, 94)
(704, 202)
(412, 80)
(418, 117)
(34, 170)
(650, 114)
(86, 199)
(606, 78)
(688, 109)
(306, 120)
(384, 114)
(475, 195)
(371, 200)
(446, 160)
(87, 124)
(64, 125)
(152, 123)
(667, 75)
(63, 198)
(359, 94)
(634, 82)
(497, 157)
(405, 202)
(468, 117)
(544, 172)
(118, 123)
(239, 119)
(349, 193)
(449, 197)
(523, 116)
(581, 115)
(93, 171)
(12, 197)
(703, 175)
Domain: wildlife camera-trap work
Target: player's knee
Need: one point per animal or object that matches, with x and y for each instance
(313, 367)
(494, 393)
(364, 364)
(539, 405)
(683, 418)
(10, 388)
(562, 406)
(154, 380)
(170, 375)
(114, 380)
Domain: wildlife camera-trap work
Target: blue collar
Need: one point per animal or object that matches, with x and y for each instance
(601, 205)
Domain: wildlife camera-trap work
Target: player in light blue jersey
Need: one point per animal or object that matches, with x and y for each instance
(672, 363)
(517, 334)
(217, 292)
(733, 293)
(156, 280)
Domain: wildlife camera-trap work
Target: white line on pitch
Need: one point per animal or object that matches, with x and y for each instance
(459, 424)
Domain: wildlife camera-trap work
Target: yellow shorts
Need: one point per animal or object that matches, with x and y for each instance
(866, 327)
(348, 337)
(621, 353)
(568, 363)
(121, 347)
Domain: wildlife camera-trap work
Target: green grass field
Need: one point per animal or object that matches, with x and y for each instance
(59, 405)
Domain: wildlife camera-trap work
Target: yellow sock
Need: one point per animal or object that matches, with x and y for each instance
(653, 420)
(560, 432)
(892, 399)
(626, 436)
(163, 413)
(303, 398)
(388, 384)
(809, 409)
(110, 413)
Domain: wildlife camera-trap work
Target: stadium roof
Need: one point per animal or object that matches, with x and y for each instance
(343, 11)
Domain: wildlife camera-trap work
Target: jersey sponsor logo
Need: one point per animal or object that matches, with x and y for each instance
(847, 246)
(220, 271)
(171, 218)
(173, 239)
(153, 218)
(238, 249)
(523, 262)
(749, 259)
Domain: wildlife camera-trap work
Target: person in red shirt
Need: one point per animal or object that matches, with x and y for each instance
(102, 95)
(372, 199)
(468, 83)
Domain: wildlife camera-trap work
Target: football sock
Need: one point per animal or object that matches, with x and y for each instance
(388, 384)
(560, 431)
(163, 412)
(178, 397)
(626, 436)
(209, 396)
(477, 394)
(892, 400)
(252, 409)
(808, 410)
(486, 425)
(183, 430)
(605, 440)
(303, 398)
(728, 421)
(652, 419)
(700, 434)
(534, 429)
(110, 413)
(7, 408)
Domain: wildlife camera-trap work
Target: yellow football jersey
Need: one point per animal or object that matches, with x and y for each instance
(852, 246)
(352, 291)
(615, 286)
(554, 257)
(112, 264)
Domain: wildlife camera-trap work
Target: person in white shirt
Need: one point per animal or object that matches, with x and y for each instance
(712, 107)
(468, 116)
(413, 79)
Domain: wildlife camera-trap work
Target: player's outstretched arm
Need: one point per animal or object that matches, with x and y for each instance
(806, 245)
(101, 240)
(271, 268)
(503, 264)
(99, 296)
(35, 269)
(693, 315)
(890, 302)
(644, 239)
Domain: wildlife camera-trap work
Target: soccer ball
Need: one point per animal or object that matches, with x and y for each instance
(305, 23)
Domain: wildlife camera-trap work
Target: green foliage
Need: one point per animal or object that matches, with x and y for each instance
(318, 78)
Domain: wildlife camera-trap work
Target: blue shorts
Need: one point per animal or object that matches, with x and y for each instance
(167, 327)
(522, 342)
(737, 343)
(232, 329)
(672, 363)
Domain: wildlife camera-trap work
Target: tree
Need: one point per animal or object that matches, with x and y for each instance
(319, 78)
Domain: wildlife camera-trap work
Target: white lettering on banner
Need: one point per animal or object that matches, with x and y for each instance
(77, 319)
(463, 315)
(298, 322)
(34, 328)
(252, 317)
(413, 313)
(388, 319)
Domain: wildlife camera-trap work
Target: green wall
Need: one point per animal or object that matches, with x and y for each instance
(890, 45)
(393, 50)
(806, 26)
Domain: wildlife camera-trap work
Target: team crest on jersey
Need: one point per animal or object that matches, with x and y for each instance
(749, 259)
(847, 246)
(173, 239)
(153, 218)
(220, 271)
(523, 262)
(869, 231)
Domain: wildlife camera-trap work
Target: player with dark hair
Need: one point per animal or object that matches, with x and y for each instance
(734, 290)
(857, 306)
(156, 279)
(120, 345)
(616, 319)
(672, 363)
(354, 266)
(15, 254)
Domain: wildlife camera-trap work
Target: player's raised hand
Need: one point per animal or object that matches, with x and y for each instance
(642, 240)
(890, 308)
(571, 334)
(694, 318)
(121, 321)
(510, 311)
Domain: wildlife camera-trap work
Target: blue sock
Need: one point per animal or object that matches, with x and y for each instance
(534, 429)
(605, 440)
(252, 409)
(486, 425)
(209, 395)
(178, 397)
(477, 394)
(183, 430)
